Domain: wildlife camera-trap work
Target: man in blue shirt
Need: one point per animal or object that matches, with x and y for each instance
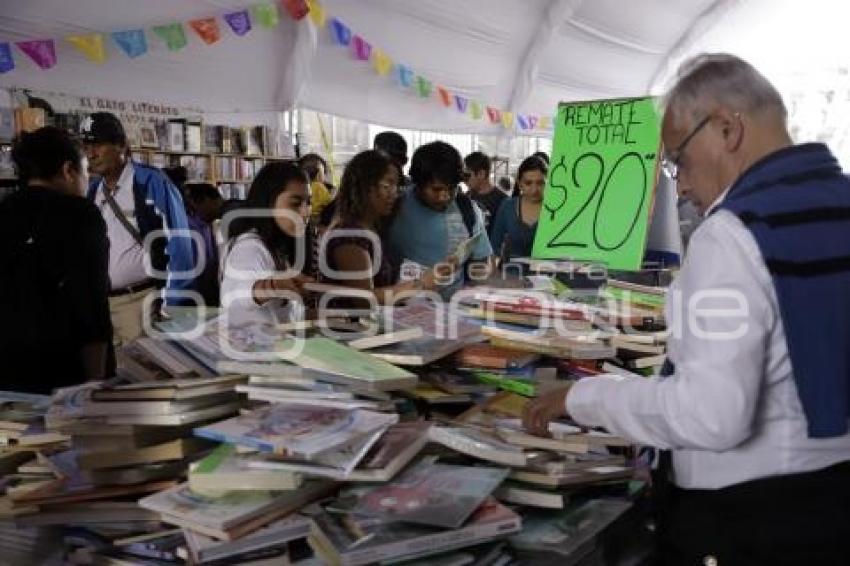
(433, 216)
(136, 200)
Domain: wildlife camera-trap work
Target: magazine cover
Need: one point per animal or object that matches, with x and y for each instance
(303, 431)
(441, 495)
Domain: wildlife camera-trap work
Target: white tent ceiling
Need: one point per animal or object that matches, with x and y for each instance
(521, 55)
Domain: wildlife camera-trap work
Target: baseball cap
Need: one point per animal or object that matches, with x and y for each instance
(103, 127)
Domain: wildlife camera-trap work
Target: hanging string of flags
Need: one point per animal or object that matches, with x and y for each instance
(364, 51)
(134, 42)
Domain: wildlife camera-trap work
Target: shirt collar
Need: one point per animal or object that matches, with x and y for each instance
(125, 181)
(717, 202)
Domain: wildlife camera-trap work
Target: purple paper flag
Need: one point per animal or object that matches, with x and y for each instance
(239, 22)
(131, 41)
(42, 51)
(532, 122)
(405, 76)
(341, 32)
(362, 48)
(7, 63)
(461, 102)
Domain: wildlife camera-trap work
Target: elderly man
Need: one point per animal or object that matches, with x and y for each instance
(753, 407)
(137, 200)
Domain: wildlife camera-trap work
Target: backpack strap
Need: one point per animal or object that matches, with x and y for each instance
(467, 211)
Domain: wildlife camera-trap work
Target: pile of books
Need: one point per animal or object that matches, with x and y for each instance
(382, 437)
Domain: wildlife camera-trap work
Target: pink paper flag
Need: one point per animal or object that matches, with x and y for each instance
(42, 51)
(494, 115)
(362, 48)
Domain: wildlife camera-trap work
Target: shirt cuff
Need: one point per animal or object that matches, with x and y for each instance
(584, 400)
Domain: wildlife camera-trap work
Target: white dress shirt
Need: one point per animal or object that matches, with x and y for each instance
(126, 256)
(246, 262)
(730, 412)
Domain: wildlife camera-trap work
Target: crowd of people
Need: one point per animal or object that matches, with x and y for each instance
(104, 243)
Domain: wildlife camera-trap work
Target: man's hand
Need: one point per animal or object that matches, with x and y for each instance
(543, 410)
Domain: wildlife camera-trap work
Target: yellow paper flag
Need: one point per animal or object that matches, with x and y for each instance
(507, 119)
(90, 45)
(383, 64)
(544, 124)
(317, 13)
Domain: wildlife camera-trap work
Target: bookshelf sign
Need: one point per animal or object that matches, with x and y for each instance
(602, 177)
(129, 111)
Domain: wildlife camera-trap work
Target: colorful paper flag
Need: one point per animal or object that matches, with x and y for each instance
(207, 29)
(172, 34)
(475, 110)
(317, 13)
(532, 122)
(340, 32)
(362, 49)
(494, 115)
(405, 76)
(522, 121)
(296, 9)
(131, 41)
(423, 86)
(445, 96)
(507, 119)
(266, 15)
(90, 45)
(544, 123)
(382, 63)
(7, 62)
(461, 103)
(42, 51)
(239, 22)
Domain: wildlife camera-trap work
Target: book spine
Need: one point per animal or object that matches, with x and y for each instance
(512, 385)
(434, 544)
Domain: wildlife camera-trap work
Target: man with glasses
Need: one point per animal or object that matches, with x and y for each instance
(752, 407)
(434, 218)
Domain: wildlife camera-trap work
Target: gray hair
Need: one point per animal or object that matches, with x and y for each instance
(711, 79)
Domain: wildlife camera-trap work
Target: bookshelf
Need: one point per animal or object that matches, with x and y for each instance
(230, 172)
(224, 156)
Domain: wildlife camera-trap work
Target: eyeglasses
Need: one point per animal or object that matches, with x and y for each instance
(671, 164)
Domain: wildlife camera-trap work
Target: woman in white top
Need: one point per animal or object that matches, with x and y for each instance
(267, 251)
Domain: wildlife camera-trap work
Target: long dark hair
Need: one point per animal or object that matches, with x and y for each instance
(269, 183)
(531, 163)
(361, 177)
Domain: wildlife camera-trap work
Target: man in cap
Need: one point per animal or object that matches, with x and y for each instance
(752, 406)
(136, 201)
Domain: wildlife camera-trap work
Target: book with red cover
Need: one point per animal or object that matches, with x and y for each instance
(489, 356)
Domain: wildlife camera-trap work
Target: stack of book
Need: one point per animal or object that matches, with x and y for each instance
(545, 472)
(126, 438)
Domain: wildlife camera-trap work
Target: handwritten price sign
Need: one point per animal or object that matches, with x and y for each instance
(601, 184)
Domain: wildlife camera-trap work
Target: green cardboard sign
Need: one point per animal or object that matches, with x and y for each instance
(602, 176)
